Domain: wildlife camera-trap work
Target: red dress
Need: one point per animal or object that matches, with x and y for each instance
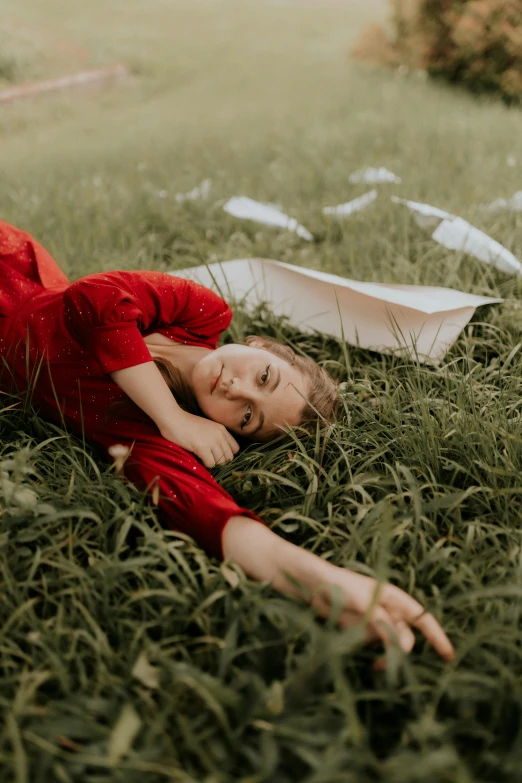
(75, 334)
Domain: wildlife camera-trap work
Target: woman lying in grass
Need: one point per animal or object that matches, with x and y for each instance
(87, 347)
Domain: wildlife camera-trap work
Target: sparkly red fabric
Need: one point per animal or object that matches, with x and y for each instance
(63, 339)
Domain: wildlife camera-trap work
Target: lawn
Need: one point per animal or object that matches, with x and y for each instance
(117, 631)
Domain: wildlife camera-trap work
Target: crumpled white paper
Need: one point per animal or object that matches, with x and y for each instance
(458, 234)
(425, 215)
(247, 208)
(513, 204)
(418, 321)
(200, 191)
(350, 207)
(373, 176)
(455, 233)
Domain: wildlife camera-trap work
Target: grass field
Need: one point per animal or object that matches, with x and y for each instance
(420, 481)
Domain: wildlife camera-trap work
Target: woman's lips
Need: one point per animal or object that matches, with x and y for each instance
(215, 381)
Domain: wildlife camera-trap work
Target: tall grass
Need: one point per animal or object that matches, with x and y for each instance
(126, 654)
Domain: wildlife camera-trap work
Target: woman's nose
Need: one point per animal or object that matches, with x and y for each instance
(236, 389)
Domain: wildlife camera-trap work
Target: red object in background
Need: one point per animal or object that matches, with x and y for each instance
(99, 77)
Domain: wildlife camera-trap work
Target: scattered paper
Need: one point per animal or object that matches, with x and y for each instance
(247, 208)
(425, 215)
(455, 233)
(373, 176)
(147, 674)
(123, 734)
(200, 191)
(418, 321)
(496, 206)
(458, 234)
(513, 204)
(350, 207)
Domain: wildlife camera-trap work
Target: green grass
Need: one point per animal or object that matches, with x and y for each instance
(420, 480)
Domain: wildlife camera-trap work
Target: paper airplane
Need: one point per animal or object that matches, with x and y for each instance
(458, 234)
(373, 176)
(417, 321)
(350, 207)
(247, 208)
(513, 204)
(200, 191)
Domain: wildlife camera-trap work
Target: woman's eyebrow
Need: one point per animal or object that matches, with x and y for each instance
(277, 380)
(259, 425)
(261, 421)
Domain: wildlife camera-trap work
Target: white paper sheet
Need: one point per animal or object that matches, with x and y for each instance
(420, 321)
(200, 191)
(425, 215)
(373, 176)
(455, 233)
(350, 207)
(247, 208)
(513, 204)
(458, 234)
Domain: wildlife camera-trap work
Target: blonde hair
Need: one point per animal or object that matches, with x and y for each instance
(319, 407)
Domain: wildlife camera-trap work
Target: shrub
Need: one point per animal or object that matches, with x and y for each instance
(474, 42)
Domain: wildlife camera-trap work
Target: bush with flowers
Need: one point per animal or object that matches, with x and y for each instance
(477, 43)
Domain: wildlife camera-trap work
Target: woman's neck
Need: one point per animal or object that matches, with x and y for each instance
(184, 357)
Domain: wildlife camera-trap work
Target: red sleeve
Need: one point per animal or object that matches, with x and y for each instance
(188, 498)
(108, 312)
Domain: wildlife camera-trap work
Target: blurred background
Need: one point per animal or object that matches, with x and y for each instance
(278, 100)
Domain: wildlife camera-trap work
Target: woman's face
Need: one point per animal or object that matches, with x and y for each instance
(249, 390)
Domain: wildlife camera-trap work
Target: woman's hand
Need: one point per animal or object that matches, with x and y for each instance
(211, 442)
(207, 439)
(389, 612)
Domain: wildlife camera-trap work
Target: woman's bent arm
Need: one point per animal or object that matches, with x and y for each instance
(108, 314)
(146, 387)
(265, 556)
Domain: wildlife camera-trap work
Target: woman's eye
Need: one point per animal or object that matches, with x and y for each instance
(247, 417)
(265, 377)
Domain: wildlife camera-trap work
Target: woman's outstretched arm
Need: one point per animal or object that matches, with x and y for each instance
(266, 556)
(190, 500)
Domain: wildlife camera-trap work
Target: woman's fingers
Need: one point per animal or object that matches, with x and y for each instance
(207, 458)
(379, 664)
(218, 457)
(413, 613)
(227, 447)
(383, 627)
(222, 452)
(234, 445)
(381, 624)
(226, 451)
(405, 636)
(397, 613)
(433, 632)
